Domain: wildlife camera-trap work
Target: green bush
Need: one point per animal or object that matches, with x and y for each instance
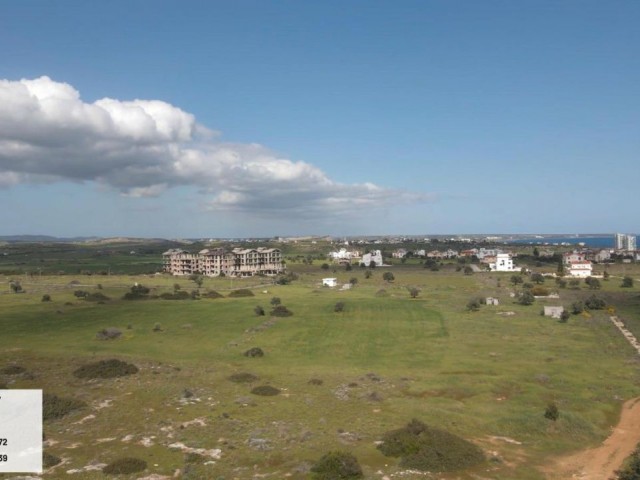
(552, 412)
(49, 460)
(212, 294)
(339, 307)
(110, 333)
(254, 352)
(243, 377)
(595, 303)
(243, 292)
(631, 468)
(540, 291)
(627, 282)
(96, 297)
(259, 311)
(474, 304)
(265, 391)
(13, 370)
(46, 297)
(125, 466)
(336, 466)
(106, 369)
(57, 407)
(281, 311)
(176, 295)
(429, 449)
(138, 292)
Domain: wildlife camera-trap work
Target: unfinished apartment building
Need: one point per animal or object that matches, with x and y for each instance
(238, 262)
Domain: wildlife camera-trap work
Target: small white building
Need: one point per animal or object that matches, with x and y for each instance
(503, 263)
(581, 269)
(553, 312)
(492, 301)
(330, 282)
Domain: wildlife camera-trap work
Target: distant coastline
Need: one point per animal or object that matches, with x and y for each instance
(599, 241)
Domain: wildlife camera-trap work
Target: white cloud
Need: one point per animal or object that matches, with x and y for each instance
(143, 147)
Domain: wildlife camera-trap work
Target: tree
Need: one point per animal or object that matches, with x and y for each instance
(275, 301)
(552, 412)
(46, 297)
(353, 281)
(560, 271)
(577, 307)
(468, 270)
(561, 283)
(594, 283)
(176, 287)
(324, 266)
(414, 292)
(473, 305)
(605, 276)
(526, 298)
(197, 279)
(536, 252)
(348, 267)
(537, 278)
(15, 286)
(595, 303)
(368, 274)
(339, 307)
(259, 311)
(372, 264)
(627, 282)
(516, 279)
(388, 277)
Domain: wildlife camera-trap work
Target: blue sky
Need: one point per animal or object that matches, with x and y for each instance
(260, 118)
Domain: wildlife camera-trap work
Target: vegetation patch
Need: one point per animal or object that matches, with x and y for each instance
(243, 292)
(212, 294)
(266, 391)
(281, 311)
(49, 460)
(13, 370)
(178, 295)
(631, 468)
(106, 369)
(57, 407)
(124, 466)
(96, 297)
(336, 465)
(429, 449)
(243, 377)
(110, 333)
(254, 352)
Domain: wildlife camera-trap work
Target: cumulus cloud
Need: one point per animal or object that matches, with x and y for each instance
(144, 147)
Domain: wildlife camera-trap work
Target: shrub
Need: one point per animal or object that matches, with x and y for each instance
(526, 298)
(574, 283)
(46, 297)
(110, 333)
(353, 281)
(49, 460)
(243, 378)
(281, 311)
(259, 311)
(13, 370)
(595, 303)
(473, 305)
(594, 283)
(254, 352)
(106, 369)
(138, 292)
(124, 466)
(57, 407)
(177, 295)
(80, 293)
(468, 270)
(275, 301)
(429, 449)
(243, 292)
(381, 293)
(564, 316)
(212, 294)
(631, 469)
(336, 466)
(561, 283)
(339, 307)
(157, 327)
(537, 278)
(315, 381)
(552, 412)
(96, 297)
(414, 292)
(627, 282)
(266, 391)
(577, 307)
(388, 277)
(324, 266)
(539, 291)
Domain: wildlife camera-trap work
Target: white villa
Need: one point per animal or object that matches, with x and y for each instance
(374, 256)
(503, 263)
(580, 268)
(329, 282)
(344, 255)
(215, 262)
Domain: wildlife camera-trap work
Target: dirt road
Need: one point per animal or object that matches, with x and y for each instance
(601, 462)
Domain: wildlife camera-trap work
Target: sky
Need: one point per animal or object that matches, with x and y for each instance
(256, 118)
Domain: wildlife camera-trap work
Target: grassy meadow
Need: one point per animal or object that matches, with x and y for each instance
(345, 377)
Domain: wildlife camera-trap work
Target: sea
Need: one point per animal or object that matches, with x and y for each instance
(588, 241)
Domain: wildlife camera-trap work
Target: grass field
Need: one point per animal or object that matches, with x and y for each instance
(486, 376)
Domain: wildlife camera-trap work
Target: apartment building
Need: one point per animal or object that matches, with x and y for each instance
(238, 262)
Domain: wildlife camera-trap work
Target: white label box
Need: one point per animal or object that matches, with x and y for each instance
(20, 431)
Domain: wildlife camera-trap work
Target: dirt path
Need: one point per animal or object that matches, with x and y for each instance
(601, 462)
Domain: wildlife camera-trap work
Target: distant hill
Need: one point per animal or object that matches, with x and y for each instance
(51, 239)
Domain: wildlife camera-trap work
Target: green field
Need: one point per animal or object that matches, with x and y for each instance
(384, 360)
